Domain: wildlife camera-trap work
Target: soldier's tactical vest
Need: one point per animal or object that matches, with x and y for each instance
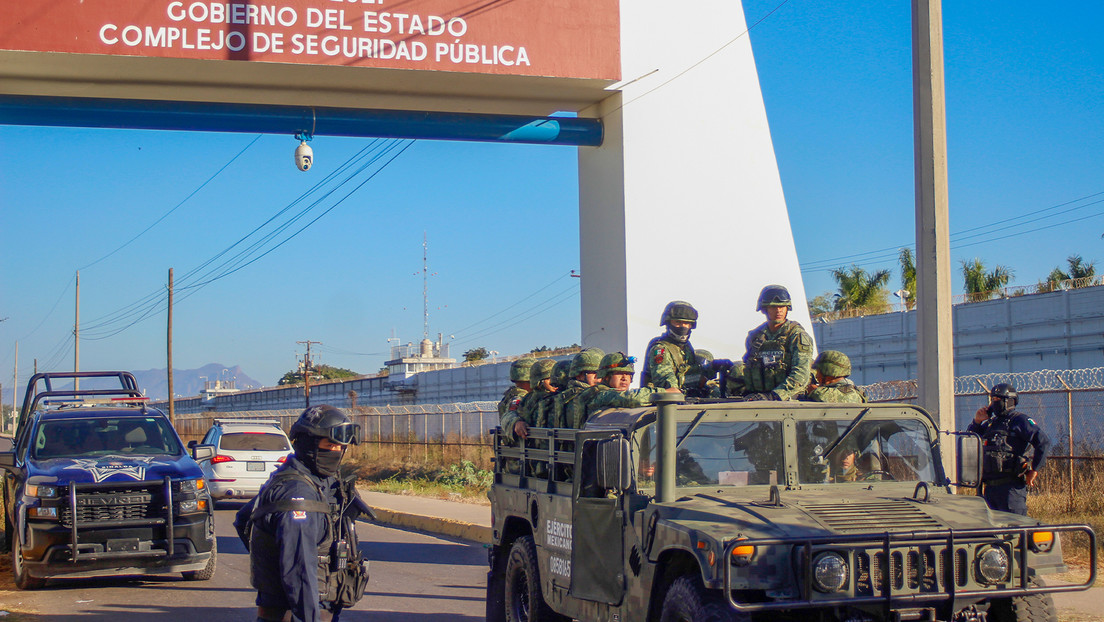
(999, 459)
(678, 360)
(769, 360)
(264, 555)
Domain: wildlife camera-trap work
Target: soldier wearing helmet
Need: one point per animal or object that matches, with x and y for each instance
(515, 424)
(1007, 468)
(779, 351)
(519, 375)
(617, 371)
(670, 355)
(569, 407)
(299, 527)
(831, 370)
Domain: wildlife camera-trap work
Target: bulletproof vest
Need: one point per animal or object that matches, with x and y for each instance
(768, 359)
(509, 396)
(999, 458)
(264, 552)
(678, 360)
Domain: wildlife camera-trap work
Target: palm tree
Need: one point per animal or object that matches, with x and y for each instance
(857, 288)
(1078, 269)
(908, 275)
(981, 284)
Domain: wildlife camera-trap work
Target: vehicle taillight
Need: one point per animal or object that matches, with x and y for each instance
(220, 458)
(282, 459)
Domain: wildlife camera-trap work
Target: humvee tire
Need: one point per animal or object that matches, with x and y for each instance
(1031, 608)
(208, 570)
(524, 599)
(688, 601)
(22, 579)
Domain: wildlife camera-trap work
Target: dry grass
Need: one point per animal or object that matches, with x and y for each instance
(1050, 502)
(443, 470)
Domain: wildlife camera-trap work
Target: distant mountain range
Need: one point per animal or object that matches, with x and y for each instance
(189, 382)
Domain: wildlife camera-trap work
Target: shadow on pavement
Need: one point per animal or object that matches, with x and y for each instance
(423, 553)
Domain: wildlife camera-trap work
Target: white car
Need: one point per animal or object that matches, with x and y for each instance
(247, 451)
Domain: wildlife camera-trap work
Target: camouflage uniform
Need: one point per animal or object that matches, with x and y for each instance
(606, 397)
(835, 364)
(519, 372)
(701, 377)
(778, 360)
(569, 405)
(526, 410)
(669, 356)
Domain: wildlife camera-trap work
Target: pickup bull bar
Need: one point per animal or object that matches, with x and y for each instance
(166, 520)
(890, 596)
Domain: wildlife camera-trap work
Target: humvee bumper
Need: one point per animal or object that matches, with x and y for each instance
(924, 567)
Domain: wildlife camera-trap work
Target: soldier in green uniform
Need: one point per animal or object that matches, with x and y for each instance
(519, 375)
(568, 410)
(515, 424)
(670, 355)
(832, 369)
(617, 374)
(779, 351)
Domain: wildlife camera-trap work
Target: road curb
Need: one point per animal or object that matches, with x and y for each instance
(435, 524)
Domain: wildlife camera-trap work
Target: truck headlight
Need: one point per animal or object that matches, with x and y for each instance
(830, 572)
(992, 564)
(42, 492)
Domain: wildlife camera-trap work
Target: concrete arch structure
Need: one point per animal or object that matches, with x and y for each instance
(682, 199)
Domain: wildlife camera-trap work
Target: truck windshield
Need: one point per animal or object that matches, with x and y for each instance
(721, 453)
(896, 450)
(71, 438)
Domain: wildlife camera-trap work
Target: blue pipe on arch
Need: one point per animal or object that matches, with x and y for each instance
(271, 119)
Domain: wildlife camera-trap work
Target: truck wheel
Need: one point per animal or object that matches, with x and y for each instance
(688, 601)
(524, 598)
(1032, 608)
(22, 579)
(208, 570)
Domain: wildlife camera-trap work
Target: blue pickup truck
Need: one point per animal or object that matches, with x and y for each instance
(95, 482)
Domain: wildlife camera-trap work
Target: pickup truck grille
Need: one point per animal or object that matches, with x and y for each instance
(115, 504)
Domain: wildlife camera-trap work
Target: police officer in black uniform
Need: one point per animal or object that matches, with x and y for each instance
(1006, 471)
(299, 528)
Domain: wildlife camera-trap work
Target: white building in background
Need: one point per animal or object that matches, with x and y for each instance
(408, 360)
(215, 388)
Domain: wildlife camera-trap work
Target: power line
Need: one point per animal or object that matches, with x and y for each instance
(494, 315)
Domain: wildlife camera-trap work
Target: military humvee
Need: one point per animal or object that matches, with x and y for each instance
(758, 511)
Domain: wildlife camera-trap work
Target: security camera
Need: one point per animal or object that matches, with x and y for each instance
(304, 156)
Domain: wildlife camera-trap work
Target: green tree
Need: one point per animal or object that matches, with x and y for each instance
(908, 275)
(979, 283)
(859, 289)
(476, 354)
(820, 304)
(318, 372)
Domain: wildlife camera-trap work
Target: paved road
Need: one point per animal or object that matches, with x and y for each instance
(437, 579)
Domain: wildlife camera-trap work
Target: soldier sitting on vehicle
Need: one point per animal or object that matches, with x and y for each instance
(831, 383)
(617, 373)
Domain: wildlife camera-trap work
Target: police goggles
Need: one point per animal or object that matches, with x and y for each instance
(344, 433)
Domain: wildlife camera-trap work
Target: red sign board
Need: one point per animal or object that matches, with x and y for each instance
(556, 38)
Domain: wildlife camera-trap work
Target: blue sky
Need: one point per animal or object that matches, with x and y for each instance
(1025, 91)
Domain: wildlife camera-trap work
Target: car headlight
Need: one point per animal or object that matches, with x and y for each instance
(42, 492)
(992, 564)
(830, 572)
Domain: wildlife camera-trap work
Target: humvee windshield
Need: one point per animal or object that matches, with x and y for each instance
(72, 438)
(719, 453)
(895, 450)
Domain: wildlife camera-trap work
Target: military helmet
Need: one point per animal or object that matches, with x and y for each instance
(541, 370)
(519, 369)
(586, 361)
(704, 357)
(679, 310)
(833, 363)
(1006, 393)
(559, 373)
(325, 421)
(616, 362)
(774, 296)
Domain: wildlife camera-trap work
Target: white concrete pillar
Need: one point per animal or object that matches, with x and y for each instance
(683, 200)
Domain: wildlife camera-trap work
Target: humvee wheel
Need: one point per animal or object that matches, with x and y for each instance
(1031, 608)
(688, 601)
(524, 598)
(208, 570)
(23, 580)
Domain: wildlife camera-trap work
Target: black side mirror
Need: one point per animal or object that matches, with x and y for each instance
(192, 444)
(969, 460)
(614, 464)
(7, 459)
(6, 444)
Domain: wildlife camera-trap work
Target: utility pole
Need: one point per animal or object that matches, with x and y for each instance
(307, 368)
(169, 354)
(15, 382)
(934, 337)
(76, 337)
